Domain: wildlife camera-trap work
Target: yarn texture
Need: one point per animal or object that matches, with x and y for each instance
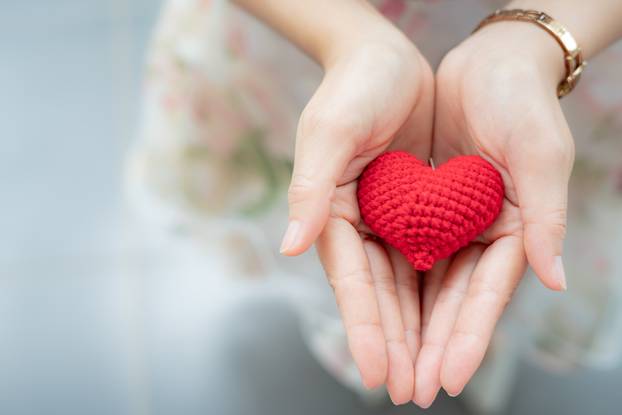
(429, 214)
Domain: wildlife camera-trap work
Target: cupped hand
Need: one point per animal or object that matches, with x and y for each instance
(378, 95)
(496, 97)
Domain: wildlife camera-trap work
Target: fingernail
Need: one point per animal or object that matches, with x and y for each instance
(558, 272)
(453, 395)
(425, 405)
(291, 234)
(369, 386)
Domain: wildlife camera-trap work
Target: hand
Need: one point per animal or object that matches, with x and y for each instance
(496, 97)
(378, 95)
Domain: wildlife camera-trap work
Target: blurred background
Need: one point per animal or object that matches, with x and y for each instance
(126, 290)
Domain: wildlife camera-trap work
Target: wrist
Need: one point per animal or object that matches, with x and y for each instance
(594, 25)
(348, 38)
(524, 44)
(328, 30)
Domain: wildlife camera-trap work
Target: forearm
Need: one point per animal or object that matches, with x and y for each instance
(594, 24)
(323, 28)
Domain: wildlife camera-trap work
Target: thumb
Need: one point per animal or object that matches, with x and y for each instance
(324, 148)
(541, 176)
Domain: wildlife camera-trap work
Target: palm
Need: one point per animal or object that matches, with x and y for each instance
(485, 110)
(475, 116)
(365, 104)
(376, 289)
(465, 295)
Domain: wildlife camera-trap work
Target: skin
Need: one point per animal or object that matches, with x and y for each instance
(376, 95)
(493, 95)
(367, 277)
(484, 108)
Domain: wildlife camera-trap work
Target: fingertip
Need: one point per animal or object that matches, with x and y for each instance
(452, 389)
(453, 394)
(294, 240)
(371, 379)
(422, 405)
(370, 356)
(400, 376)
(543, 249)
(553, 275)
(427, 384)
(462, 358)
(424, 402)
(558, 274)
(373, 374)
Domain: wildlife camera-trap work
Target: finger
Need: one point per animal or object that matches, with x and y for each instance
(442, 321)
(492, 284)
(541, 171)
(344, 259)
(324, 148)
(400, 376)
(432, 281)
(407, 284)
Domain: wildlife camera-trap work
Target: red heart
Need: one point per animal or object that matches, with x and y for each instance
(429, 214)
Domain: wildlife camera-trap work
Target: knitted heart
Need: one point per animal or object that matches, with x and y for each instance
(429, 214)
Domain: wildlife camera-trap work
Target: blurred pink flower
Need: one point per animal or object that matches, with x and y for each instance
(392, 9)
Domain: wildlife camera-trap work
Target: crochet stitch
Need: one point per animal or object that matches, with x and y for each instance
(429, 214)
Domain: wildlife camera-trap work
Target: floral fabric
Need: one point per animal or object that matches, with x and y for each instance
(221, 100)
